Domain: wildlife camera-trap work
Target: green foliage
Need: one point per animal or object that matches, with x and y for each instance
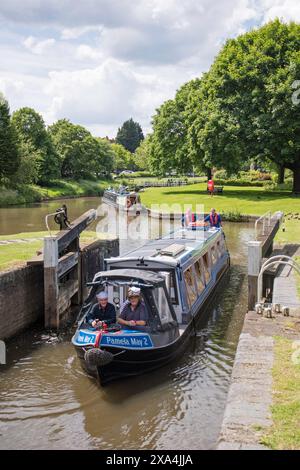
(9, 156)
(142, 155)
(244, 106)
(169, 144)
(123, 159)
(81, 154)
(31, 161)
(130, 135)
(35, 147)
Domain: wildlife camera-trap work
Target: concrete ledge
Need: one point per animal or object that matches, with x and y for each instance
(250, 394)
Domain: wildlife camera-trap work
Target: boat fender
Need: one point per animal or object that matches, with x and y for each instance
(97, 357)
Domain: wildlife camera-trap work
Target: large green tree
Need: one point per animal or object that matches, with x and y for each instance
(73, 145)
(169, 141)
(245, 107)
(81, 154)
(34, 139)
(130, 135)
(9, 155)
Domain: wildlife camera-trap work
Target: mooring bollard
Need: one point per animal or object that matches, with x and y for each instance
(258, 309)
(268, 312)
(286, 311)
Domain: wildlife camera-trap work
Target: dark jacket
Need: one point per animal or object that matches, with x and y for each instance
(140, 313)
(108, 314)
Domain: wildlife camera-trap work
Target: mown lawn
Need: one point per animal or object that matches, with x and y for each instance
(15, 254)
(285, 432)
(242, 199)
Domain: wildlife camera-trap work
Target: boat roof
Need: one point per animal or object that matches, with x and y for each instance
(149, 277)
(118, 192)
(172, 251)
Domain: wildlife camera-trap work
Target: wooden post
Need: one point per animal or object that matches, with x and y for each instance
(254, 264)
(51, 282)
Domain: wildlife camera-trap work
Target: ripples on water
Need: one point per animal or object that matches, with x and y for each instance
(47, 401)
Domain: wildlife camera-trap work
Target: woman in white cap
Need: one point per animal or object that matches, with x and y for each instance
(102, 312)
(133, 312)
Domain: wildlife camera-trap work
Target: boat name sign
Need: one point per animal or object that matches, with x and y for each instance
(133, 341)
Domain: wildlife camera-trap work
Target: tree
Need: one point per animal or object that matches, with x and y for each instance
(73, 145)
(130, 135)
(122, 157)
(9, 156)
(29, 170)
(169, 148)
(245, 106)
(81, 154)
(142, 155)
(104, 158)
(32, 134)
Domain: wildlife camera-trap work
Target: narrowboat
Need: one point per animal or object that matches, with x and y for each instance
(122, 199)
(176, 277)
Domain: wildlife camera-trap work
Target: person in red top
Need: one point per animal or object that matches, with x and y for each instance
(211, 187)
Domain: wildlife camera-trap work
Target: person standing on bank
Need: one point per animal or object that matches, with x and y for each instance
(214, 219)
(102, 312)
(133, 312)
(211, 187)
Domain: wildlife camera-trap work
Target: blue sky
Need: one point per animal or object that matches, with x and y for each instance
(100, 62)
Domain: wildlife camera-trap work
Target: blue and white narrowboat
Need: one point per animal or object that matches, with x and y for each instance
(176, 277)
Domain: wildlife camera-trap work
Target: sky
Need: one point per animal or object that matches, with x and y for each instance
(101, 62)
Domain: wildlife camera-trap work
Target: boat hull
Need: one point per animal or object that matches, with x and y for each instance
(127, 363)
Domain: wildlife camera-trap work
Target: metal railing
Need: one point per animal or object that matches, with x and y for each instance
(278, 259)
(264, 219)
(49, 215)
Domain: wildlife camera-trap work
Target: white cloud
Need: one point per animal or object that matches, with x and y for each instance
(99, 62)
(74, 33)
(36, 46)
(85, 52)
(287, 10)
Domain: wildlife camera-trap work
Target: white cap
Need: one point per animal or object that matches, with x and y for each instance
(102, 295)
(134, 291)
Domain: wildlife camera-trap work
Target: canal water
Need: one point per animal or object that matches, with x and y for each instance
(48, 402)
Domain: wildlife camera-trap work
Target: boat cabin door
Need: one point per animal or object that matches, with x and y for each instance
(117, 296)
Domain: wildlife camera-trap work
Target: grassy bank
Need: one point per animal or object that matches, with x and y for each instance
(57, 188)
(243, 199)
(285, 432)
(16, 254)
(234, 201)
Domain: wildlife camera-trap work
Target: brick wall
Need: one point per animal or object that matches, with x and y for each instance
(22, 289)
(21, 299)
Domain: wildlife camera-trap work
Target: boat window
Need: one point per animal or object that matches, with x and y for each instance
(220, 247)
(170, 285)
(162, 305)
(206, 268)
(190, 285)
(199, 276)
(214, 254)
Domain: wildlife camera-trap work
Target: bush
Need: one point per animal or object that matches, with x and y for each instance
(233, 216)
(220, 174)
(9, 197)
(238, 182)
